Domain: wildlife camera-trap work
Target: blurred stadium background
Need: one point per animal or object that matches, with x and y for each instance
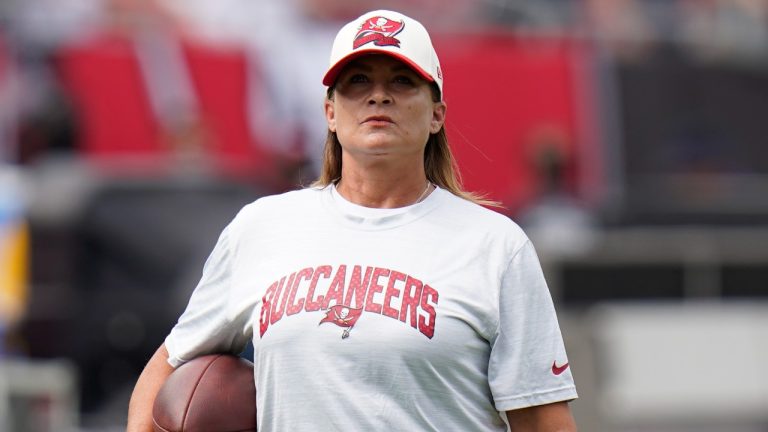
(628, 137)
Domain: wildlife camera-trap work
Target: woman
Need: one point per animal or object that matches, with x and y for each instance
(382, 298)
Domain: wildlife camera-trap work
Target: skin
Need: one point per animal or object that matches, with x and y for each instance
(151, 379)
(555, 417)
(382, 113)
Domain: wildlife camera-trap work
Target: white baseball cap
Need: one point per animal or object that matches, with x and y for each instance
(390, 33)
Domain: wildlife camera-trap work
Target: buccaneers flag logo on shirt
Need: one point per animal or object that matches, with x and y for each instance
(380, 31)
(342, 316)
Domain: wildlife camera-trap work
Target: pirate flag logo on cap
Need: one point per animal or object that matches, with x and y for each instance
(380, 31)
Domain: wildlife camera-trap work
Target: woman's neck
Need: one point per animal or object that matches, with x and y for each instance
(377, 189)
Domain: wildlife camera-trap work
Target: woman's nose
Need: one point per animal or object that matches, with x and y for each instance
(379, 95)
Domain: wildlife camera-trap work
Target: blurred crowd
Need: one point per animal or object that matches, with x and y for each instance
(284, 45)
(205, 92)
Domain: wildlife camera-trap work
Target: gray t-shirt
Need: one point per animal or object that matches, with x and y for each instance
(432, 317)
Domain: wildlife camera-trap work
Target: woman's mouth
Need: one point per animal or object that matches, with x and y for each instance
(379, 119)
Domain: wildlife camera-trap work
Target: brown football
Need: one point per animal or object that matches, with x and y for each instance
(212, 393)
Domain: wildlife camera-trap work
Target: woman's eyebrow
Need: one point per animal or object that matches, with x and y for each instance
(360, 65)
(365, 67)
(404, 68)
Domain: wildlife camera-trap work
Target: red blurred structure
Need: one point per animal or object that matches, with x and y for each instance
(507, 97)
(116, 121)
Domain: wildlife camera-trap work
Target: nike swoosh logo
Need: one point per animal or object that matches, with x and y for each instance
(557, 370)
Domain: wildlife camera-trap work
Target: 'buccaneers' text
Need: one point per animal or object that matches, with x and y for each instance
(377, 290)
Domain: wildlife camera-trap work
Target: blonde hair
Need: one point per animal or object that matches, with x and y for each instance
(439, 164)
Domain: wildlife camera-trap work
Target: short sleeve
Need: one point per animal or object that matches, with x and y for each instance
(527, 365)
(213, 320)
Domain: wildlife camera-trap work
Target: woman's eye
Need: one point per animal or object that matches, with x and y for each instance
(402, 79)
(358, 78)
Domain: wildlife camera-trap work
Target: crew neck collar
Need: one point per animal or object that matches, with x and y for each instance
(368, 218)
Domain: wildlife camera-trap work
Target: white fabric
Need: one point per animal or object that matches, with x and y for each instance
(390, 33)
(457, 322)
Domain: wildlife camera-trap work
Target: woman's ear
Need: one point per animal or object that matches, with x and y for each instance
(330, 115)
(438, 117)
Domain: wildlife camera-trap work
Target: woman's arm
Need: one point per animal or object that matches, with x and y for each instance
(143, 398)
(555, 417)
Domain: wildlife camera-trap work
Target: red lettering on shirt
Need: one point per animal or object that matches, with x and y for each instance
(277, 312)
(375, 287)
(377, 291)
(266, 304)
(411, 299)
(392, 292)
(357, 287)
(311, 304)
(429, 299)
(295, 307)
(336, 291)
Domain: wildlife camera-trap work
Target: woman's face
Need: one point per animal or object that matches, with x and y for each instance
(382, 108)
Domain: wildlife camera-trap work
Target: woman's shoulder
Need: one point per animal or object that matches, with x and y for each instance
(478, 219)
(299, 200)
(478, 214)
